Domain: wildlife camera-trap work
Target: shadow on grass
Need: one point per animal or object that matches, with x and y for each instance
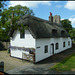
(65, 64)
(67, 58)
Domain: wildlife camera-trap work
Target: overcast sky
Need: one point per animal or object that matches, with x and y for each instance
(42, 9)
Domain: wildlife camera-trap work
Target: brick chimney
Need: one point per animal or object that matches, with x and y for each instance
(56, 19)
(51, 17)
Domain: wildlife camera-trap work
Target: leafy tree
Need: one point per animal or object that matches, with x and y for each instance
(2, 3)
(66, 24)
(6, 19)
(72, 33)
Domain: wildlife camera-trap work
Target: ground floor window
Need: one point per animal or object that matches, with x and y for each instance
(56, 46)
(68, 43)
(46, 49)
(63, 44)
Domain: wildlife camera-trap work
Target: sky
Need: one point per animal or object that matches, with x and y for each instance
(42, 9)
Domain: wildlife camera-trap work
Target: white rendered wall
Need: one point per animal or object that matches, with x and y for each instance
(40, 55)
(27, 42)
(18, 53)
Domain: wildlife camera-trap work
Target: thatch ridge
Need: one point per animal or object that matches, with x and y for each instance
(40, 28)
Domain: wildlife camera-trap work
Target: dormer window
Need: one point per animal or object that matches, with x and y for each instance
(22, 34)
(54, 32)
(62, 33)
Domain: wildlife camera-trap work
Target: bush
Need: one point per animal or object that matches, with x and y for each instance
(1, 46)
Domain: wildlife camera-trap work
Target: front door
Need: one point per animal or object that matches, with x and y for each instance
(52, 49)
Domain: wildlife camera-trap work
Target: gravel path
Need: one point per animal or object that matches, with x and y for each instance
(10, 62)
(43, 66)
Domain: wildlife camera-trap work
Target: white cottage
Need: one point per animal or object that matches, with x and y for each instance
(41, 40)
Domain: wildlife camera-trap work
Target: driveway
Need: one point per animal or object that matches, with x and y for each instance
(42, 67)
(30, 68)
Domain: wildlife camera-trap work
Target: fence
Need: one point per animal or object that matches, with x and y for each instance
(2, 66)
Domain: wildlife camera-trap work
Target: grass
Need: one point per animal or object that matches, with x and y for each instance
(68, 64)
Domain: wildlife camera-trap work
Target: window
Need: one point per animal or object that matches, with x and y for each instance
(56, 46)
(63, 44)
(68, 43)
(38, 47)
(62, 33)
(54, 32)
(22, 34)
(46, 49)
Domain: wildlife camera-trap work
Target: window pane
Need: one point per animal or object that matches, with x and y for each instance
(56, 46)
(62, 33)
(54, 32)
(68, 43)
(63, 44)
(46, 48)
(22, 34)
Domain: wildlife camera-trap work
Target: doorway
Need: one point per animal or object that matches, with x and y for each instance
(52, 49)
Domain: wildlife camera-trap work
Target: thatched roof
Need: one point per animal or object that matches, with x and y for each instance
(40, 28)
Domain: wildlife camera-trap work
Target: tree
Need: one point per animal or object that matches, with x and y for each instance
(6, 18)
(18, 11)
(66, 24)
(2, 3)
(72, 33)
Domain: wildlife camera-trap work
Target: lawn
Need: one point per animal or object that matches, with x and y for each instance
(10, 62)
(68, 64)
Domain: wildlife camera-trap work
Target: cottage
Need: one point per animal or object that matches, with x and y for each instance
(41, 40)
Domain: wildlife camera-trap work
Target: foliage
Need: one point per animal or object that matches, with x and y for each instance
(72, 33)
(7, 21)
(1, 46)
(66, 65)
(2, 5)
(66, 24)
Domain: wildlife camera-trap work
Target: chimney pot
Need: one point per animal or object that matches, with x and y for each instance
(50, 14)
(51, 17)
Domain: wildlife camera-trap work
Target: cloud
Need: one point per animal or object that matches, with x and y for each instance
(72, 16)
(72, 21)
(70, 5)
(29, 3)
(55, 1)
(61, 19)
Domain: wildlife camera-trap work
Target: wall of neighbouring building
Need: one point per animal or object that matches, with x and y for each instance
(5, 44)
